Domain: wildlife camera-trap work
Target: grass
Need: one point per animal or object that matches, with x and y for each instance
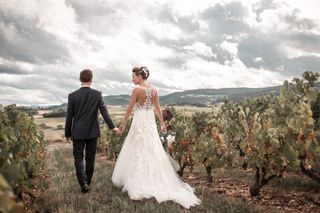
(63, 193)
(49, 127)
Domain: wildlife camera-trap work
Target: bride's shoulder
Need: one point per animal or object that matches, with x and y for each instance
(142, 90)
(135, 90)
(154, 90)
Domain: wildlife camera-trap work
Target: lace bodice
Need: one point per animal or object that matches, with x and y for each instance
(143, 168)
(147, 105)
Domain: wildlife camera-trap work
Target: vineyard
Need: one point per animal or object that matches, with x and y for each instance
(21, 159)
(269, 136)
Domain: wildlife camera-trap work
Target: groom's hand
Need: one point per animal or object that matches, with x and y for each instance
(68, 140)
(117, 131)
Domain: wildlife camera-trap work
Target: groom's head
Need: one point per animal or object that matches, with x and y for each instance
(86, 76)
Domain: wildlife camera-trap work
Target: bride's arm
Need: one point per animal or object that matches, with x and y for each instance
(158, 110)
(133, 100)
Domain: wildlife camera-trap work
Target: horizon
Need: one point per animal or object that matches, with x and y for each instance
(57, 104)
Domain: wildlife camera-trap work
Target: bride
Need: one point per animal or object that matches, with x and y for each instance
(143, 168)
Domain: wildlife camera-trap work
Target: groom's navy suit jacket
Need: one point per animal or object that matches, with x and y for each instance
(82, 114)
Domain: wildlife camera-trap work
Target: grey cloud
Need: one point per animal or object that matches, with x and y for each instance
(95, 45)
(299, 33)
(303, 40)
(87, 12)
(225, 19)
(263, 46)
(274, 56)
(28, 82)
(30, 43)
(57, 87)
(174, 44)
(228, 19)
(12, 69)
(186, 23)
(100, 17)
(222, 20)
(176, 62)
(105, 18)
(297, 66)
(161, 85)
(264, 5)
(300, 23)
(179, 60)
(113, 75)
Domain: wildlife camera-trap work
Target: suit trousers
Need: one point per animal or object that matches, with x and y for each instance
(90, 146)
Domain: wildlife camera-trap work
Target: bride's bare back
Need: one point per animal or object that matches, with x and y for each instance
(140, 97)
(142, 94)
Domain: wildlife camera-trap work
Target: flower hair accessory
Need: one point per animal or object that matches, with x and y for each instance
(145, 71)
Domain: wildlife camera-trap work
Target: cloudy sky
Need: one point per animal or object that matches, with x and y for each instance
(44, 44)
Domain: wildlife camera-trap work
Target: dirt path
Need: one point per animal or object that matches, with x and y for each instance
(292, 194)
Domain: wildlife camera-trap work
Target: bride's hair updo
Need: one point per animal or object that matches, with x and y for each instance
(142, 71)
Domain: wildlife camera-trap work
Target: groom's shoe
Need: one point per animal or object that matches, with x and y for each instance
(85, 188)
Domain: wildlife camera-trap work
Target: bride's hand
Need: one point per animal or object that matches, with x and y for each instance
(122, 127)
(163, 128)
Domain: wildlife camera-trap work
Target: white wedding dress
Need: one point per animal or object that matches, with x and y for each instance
(143, 168)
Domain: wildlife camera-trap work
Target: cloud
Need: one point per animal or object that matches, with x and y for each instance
(15, 68)
(185, 44)
(303, 63)
(22, 40)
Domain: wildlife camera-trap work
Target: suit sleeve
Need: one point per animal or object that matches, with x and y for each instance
(105, 114)
(69, 118)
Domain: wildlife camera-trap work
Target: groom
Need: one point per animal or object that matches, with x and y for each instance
(82, 125)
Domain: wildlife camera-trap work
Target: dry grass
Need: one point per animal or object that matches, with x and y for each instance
(51, 133)
(63, 193)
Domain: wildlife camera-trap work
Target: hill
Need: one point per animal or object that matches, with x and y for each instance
(199, 97)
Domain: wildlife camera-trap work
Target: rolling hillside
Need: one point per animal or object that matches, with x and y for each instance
(200, 97)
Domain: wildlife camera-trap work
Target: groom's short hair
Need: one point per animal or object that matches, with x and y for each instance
(86, 75)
